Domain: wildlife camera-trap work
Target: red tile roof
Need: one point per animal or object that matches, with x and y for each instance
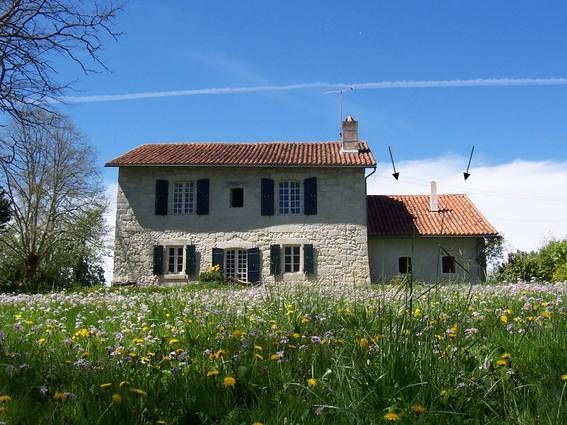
(318, 154)
(407, 215)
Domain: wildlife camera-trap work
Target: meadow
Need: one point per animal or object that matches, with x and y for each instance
(300, 354)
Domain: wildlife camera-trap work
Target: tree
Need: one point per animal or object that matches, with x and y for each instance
(58, 203)
(5, 210)
(32, 33)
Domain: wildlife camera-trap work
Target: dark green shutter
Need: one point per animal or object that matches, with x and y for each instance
(162, 190)
(310, 196)
(190, 260)
(218, 257)
(308, 260)
(202, 196)
(253, 265)
(267, 200)
(158, 260)
(275, 261)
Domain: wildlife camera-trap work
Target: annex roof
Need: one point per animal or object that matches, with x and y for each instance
(408, 215)
(260, 154)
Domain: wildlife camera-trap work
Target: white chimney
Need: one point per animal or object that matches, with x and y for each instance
(349, 135)
(434, 203)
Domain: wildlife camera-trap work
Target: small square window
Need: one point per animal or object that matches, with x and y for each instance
(404, 265)
(448, 264)
(236, 197)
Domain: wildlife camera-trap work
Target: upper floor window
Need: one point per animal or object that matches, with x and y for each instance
(404, 265)
(175, 260)
(289, 197)
(448, 264)
(183, 195)
(237, 197)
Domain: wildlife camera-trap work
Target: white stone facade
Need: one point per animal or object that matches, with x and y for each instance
(337, 232)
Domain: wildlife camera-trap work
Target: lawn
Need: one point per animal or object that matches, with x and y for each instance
(286, 355)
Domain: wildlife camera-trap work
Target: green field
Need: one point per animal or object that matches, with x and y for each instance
(286, 355)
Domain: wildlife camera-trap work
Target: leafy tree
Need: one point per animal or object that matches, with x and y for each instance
(56, 235)
(5, 210)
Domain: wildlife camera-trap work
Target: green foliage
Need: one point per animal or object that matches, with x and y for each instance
(548, 264)
(211, 276)
(5, 209)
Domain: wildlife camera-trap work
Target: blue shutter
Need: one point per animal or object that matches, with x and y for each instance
(203, 196)
(275, 260)
(162, 190)
(308, 259)
(218, 258)
(158, 259)
(253, 265)
(310, 196)
(267, 200)
(190, 260)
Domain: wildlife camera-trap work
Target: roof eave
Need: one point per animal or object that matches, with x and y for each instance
(114, 165)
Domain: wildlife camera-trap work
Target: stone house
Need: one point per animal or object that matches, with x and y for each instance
(264, 212)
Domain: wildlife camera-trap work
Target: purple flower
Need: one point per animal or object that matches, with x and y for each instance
(316, 339)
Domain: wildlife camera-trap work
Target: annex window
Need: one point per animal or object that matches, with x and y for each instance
(404, 265)
(236, 264)
(289, 197)
(448, 264)
(237, 197)
(291, 259)
(175, 260)
(183, 195)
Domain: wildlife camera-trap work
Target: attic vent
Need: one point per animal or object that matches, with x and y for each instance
(349, 135)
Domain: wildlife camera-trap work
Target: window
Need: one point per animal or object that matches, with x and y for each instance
(183, 198)
(290, 198)
(404, 265)
(448, 264)
(175, 260)
(236, 197)
(291, 259)
(236, 264)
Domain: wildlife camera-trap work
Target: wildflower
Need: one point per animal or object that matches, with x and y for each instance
(312, 382)
(418, 409)
(546, 314)
(229, 381)
(363, 342)
(275, 356)
(137, 391)
(417, 313)
(392, 417)
(501, 363)
(173, 341)
(316, 339)
(82, 332)
(214, 372)
(4, 398)
(107, 385)
(258, 356)
(60, 396)
(296, 335)
(257, 423)
(85, 354)
(504, 319)
(116, 398)
(123, 383)
(161, 422)
(237, 334)
(138, 341)
(452, 331)
(563, 377)
(506, 356)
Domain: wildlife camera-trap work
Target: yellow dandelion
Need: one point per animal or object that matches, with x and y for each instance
(214, 372)
(4, 398)
(312, 382)
(237, 334)
(123, 383)
(506, 356)
(418, 409)
(116, 398)
(173, 341)
(137, 391)
(258, 356)
(392, 417)
(363, 342)
(501, 363)
(417, 313)
(296, 335)
(59, 396)
(41, 341)
(258, 348)
(275, 357)
(563, 377)
(546, 314)
(138, 341)
(85, 354)
(504, 319)
(229, 381)
(257, 423)
(107, 385)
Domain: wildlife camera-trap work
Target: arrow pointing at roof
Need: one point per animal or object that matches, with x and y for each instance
(466, 173)
(395, 173)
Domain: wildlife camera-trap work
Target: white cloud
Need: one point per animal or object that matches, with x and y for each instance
(525, 200)
(377, 85)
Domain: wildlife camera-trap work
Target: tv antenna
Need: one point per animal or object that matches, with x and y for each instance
(340, 91)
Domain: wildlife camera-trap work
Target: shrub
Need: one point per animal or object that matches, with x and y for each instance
(213, 275)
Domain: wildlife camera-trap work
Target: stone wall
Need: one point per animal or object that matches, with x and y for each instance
(338, 231)
(426, 256)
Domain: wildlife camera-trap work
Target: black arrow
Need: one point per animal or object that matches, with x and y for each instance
(395, 174)
(466, 173)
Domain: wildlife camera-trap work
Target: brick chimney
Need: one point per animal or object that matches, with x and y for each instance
(434, 202)
(349, 135)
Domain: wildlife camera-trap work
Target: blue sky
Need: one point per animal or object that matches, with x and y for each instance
(172, 45)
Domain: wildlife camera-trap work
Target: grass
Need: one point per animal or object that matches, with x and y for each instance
(288, 354)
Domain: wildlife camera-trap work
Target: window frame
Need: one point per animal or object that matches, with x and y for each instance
(293, 263)
(288, 210)
(176, 258)
(452, 266)
(408, 263)
(186, 197)
(238, 258)
(231, 198)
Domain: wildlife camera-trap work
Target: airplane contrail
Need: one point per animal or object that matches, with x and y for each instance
(380, 85)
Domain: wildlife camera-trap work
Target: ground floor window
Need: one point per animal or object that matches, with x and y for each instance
(291, 259)
(236, 264)
(404, 265)
(175, 259)
(448, 264)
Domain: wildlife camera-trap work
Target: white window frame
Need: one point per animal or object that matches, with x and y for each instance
(176, 259)
(186, 204)
(239, 257)
(297, 207)
(300, 259)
